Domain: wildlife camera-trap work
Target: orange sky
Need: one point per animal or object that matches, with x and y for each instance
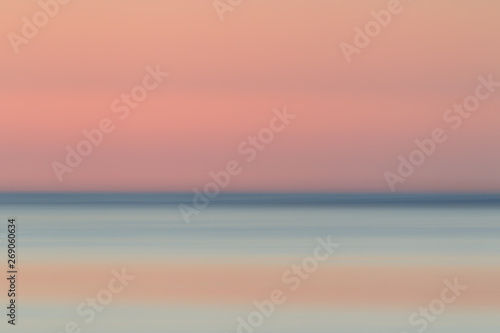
(353, 120)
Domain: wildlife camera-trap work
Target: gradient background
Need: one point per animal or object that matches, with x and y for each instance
(226, 77)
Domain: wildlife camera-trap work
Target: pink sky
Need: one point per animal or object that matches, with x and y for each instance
(353, 120)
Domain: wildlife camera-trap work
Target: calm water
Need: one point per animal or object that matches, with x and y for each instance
(151, 224)
(272, 229)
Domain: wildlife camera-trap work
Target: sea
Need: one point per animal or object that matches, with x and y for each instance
(206, 274)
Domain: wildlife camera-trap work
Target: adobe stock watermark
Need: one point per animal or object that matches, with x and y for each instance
(223, 6)
(249, 149)
(293, 278)
(421, 319)
(88, 309)
(30, 28)
(453, 117)
(373, 28)
(122, 107)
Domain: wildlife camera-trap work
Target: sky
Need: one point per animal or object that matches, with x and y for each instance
(352, 119)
